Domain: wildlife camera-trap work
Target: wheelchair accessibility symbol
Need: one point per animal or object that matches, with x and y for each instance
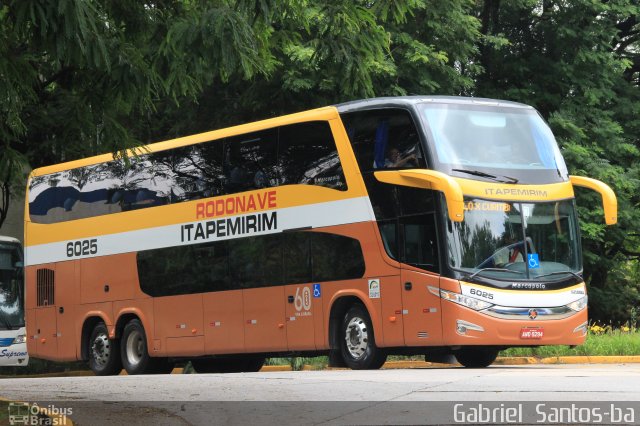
(534, 261)
(316, 290)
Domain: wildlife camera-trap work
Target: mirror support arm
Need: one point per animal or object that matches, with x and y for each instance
(609, 200)
(429, 179)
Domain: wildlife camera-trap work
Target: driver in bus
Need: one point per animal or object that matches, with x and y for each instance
(394, 160)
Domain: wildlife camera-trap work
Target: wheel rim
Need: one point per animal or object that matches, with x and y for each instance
(101, 349)
(134, 347)
(357, 337)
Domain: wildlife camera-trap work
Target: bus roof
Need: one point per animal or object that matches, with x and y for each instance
(395, 101)
(323, 113)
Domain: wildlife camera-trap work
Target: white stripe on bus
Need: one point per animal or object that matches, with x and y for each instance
(331, 213)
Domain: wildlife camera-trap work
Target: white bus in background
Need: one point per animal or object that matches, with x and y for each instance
(13, 346)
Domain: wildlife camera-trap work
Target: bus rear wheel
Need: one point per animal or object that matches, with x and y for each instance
(357, 343)
(248, 364)
(476, 356)
(104, 353)
(135, 353)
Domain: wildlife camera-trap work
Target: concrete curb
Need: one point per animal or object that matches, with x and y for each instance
(394, 365)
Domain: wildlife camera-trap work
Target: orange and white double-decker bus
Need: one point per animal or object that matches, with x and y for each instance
(407, 225)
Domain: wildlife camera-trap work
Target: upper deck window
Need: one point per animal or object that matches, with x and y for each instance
(384, 139)
(303, 153)
(496, 143)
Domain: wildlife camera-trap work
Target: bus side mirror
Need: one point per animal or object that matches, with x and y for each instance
(609, 200)
(429, 179)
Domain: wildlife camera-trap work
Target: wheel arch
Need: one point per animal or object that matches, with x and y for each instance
(89, 323)
(340, 304)
(130, 313)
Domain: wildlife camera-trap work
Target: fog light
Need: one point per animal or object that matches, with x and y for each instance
(463, 326)
(582, 328)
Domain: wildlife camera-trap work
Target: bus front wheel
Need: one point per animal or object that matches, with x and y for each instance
(104, 353)
(476, 356)
(357, 343)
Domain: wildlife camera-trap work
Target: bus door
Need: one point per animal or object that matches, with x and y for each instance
(42, 319)
(303, 307)
(265, 328)
(66, 298)
(420, 307)
(256, 264)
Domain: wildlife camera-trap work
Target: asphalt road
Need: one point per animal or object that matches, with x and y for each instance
(410, 396)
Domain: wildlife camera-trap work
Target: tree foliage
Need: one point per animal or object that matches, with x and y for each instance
(80, 77)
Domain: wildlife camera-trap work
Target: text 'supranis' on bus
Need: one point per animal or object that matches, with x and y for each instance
(13, 345)
(233, 245)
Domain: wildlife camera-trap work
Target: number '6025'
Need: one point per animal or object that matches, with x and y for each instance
(82, 248)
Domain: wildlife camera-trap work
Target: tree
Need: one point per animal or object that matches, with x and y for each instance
(574, 61)
(79, 77)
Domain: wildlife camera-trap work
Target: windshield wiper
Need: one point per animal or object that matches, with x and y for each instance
(558, 273)
(495, 269)
(488, 176)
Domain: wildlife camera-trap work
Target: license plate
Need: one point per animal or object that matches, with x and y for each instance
(531, 333)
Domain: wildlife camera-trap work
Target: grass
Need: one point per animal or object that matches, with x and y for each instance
(601, 341)
(604, 341)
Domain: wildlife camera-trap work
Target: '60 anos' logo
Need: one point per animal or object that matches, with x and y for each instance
(302, 300)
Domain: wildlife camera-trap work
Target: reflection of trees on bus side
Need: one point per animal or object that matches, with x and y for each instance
(303, 153)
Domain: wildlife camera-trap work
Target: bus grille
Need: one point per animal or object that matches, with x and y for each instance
(6, 341)
(45, 280)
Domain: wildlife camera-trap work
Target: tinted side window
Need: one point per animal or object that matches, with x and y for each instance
(272, 260)
(183, 270)
(187, 173)
(383, 139)
(336, 257)
(297, 257)
(420, 244)
(246, 262)
(302, 153)
(389, 233)
(383, 196)
(165, 177)
(308, 155)
(250, 161)
(415, 200)
(266, 260)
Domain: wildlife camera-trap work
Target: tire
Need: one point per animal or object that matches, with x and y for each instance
(357, 342)
(249, 364)
(135, 353)
(104, 353)
(476, 356)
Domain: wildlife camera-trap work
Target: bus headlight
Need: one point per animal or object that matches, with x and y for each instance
(19, 339)
(461, 299)
(579, 304)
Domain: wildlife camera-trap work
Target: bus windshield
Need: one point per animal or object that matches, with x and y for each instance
(516, 241)
(11, 287)
(507, 144)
